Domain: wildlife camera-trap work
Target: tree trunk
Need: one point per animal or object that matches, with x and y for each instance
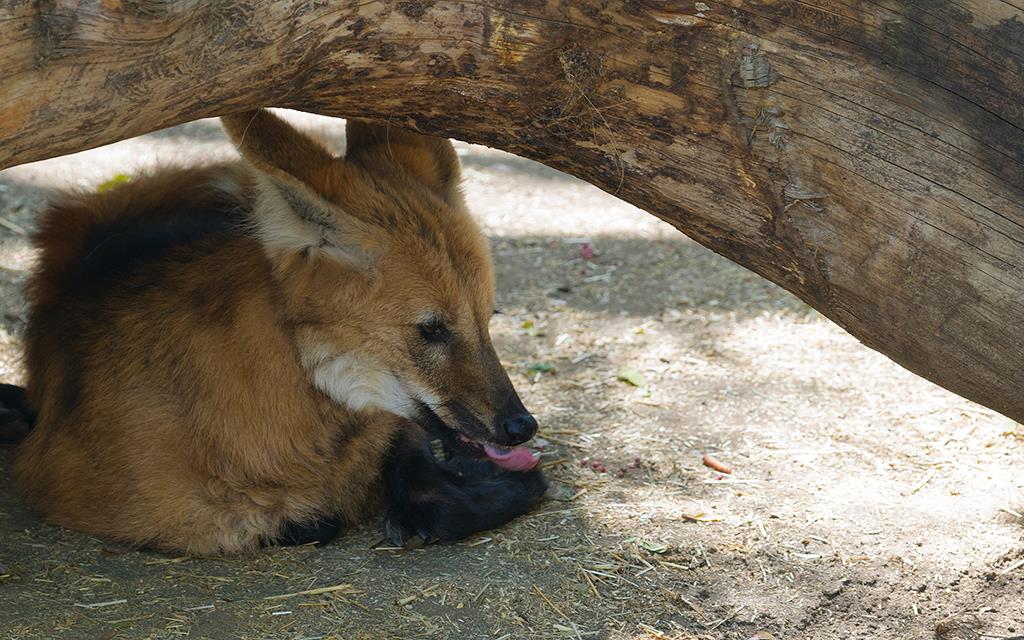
(867, 155)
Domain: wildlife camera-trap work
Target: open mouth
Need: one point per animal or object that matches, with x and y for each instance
(518, 458)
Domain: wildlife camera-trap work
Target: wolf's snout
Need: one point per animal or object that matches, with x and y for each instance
(519, 428)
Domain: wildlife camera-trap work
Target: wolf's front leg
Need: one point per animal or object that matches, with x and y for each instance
(321, 531)
(451, 500)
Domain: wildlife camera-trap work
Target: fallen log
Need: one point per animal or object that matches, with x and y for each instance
(866, 155)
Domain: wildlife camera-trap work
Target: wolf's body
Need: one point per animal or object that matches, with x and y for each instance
(228, 356)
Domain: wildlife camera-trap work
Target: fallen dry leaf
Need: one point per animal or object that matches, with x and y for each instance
(711, 461)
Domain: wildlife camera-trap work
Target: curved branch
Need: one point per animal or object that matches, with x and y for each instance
(867, 156)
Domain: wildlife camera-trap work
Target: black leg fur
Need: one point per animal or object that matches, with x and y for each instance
(321, 531)
(16, 418)
(451, 500)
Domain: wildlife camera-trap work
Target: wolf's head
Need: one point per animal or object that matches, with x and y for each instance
(388, 280)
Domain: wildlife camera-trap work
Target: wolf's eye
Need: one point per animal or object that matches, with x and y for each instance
(434, 332)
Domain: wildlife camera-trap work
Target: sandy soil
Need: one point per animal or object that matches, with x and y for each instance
(864, 502)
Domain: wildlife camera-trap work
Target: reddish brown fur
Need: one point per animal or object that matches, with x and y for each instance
(175, 396)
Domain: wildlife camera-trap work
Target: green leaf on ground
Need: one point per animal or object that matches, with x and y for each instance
(110, 183)
(540, 367)
(530, 329)
(632, 376)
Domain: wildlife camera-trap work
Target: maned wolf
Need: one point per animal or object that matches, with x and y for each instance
(231, 356)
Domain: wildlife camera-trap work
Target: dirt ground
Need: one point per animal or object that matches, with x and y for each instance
(864, 502)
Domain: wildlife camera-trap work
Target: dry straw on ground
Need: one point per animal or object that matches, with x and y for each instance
(863, 502)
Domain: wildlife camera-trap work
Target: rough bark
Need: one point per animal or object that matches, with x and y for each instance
(867, 155)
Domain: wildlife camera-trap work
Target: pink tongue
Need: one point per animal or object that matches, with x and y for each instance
(514, 459)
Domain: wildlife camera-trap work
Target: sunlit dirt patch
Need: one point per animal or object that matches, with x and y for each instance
(863, 501)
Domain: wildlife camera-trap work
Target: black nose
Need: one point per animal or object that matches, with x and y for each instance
(519, 428)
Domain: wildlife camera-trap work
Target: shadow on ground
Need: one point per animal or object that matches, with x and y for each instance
(863, 502)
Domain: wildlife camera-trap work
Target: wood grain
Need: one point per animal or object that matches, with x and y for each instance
(867, 155)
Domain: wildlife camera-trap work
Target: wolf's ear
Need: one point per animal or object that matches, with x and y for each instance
(292, 213)
(432, 161)
(275, 147)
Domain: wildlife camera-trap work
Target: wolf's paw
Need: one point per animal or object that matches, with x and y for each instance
(16, 418)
